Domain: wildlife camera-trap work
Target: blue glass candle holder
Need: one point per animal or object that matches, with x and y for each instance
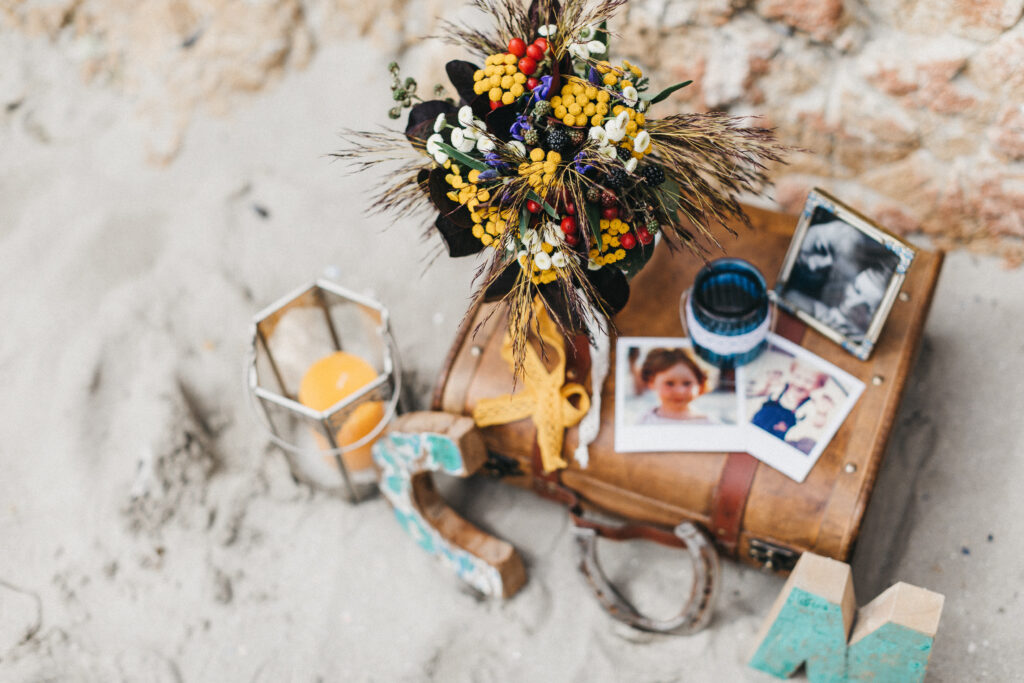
(726, 313)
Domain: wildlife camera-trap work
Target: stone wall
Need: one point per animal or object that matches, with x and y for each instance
(910, 110)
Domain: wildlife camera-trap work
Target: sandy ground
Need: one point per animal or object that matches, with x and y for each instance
(147, 531)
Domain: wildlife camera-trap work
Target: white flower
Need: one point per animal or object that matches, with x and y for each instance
(461, 142)
(471, 133)
(587, 33)
(592, 266)
(631, 165)
(595, 47)
(580, 51)
(485, 144)
(558, 259)
(548, 30)
(434, 148)
(519, 147)
(465, 116)
(542, 260)
(608, 152)
(630, 94)
(642, 141)
(598, 134)
(551, 234)
(615, 130)
(439, 123)
(530, 238)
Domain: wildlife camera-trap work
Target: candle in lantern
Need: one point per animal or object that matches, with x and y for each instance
(330, 380)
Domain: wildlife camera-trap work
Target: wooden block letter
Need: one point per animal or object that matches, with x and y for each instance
(416, 445)
(809, 622)
(893, 637)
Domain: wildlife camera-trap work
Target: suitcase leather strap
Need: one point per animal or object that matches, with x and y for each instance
(737, 478)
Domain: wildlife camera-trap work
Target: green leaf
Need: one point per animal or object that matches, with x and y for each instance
(594, 221)
(671, 196)
(463, 159)
(667, 91)
(550, 210)
(602, 35)
(524, 220)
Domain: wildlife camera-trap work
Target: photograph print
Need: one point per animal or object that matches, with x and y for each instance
(669, 400)
(794, 402)
(842, 273)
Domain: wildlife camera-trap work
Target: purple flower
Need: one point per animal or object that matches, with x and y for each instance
(521, 124)
(544, 89)
(594, 77)
(580, 166)
(489, 174)
(494, 161)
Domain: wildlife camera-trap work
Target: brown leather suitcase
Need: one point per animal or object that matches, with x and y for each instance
(753, 512)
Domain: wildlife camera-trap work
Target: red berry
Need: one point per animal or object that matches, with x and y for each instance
(570, 208)
(495, 104)
(532, 83)
(542, 44)
(527, 65)
(627, 241)
(608, 198)
(535, 53)
(645, 237)
(532, 206)
(517, 46)
(569, 225)
(610, 213)
(571, 240)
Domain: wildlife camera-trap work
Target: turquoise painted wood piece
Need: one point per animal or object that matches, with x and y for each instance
(400, 456)
(891, 638)
(808, 629)
(891, 654)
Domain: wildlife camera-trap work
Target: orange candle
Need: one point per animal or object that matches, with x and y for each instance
(328, 381)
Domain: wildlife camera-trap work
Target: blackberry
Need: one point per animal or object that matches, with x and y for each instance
(593, 193)
(624, 154)
(577, 136)
(531, 137)
(617, 177)
(542, 109)
(653, 174)
(558, 139)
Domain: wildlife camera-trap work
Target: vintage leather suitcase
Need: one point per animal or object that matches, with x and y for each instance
(753, 512)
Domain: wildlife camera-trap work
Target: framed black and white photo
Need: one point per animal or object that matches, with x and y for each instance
(842, 273)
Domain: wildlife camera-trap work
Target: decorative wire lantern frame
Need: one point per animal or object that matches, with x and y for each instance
(386, 388)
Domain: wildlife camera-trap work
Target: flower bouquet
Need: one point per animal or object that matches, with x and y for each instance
(553, 161)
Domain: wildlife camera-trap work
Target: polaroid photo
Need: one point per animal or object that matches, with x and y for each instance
(669, 400)
(842, 273)
(794, 402)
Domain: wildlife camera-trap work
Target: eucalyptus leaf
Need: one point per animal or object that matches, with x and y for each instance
(463, 159)
(667, 91)
(594, 222)
(550, 210)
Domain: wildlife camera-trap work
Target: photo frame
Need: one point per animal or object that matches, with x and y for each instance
(842, 273)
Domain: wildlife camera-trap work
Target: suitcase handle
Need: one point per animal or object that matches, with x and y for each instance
(695, 615)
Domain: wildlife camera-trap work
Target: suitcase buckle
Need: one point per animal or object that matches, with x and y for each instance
(772, 557)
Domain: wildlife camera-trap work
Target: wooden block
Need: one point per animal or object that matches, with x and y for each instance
(894, 634)
(809, 622)
(416, 445)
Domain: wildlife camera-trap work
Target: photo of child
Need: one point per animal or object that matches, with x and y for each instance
(668, 399)
(794, 403)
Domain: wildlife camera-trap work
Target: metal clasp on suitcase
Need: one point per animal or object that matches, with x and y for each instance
(772, 557)
(696, 613)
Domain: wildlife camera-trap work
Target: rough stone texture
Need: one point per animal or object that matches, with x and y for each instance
(867, 90)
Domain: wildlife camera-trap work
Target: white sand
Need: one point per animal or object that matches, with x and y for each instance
(147, 531)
